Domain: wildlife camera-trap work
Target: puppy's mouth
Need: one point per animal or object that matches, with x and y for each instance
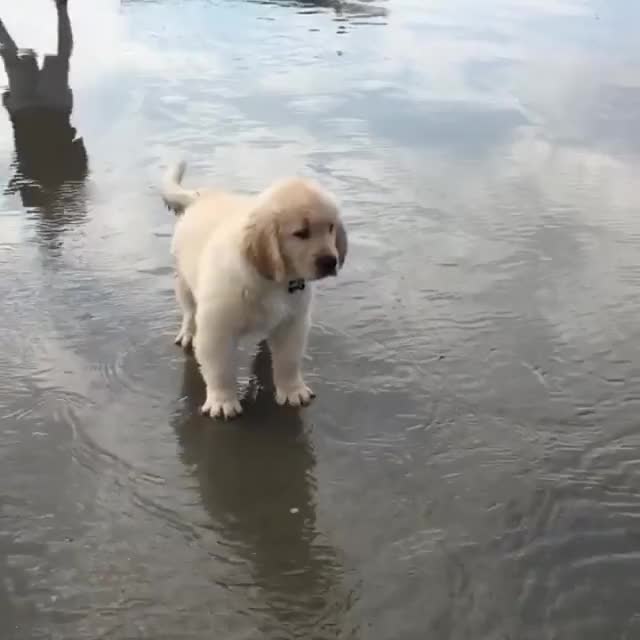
(326, 266)
(326, 274)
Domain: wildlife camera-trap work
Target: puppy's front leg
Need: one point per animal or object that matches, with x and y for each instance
(216, 353)
(287, 343)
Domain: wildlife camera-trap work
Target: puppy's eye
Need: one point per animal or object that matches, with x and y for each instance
(303, 234)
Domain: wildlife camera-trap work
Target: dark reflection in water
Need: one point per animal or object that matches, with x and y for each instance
(50, 160)
(257, 481)
(362, 9)
(354, 12)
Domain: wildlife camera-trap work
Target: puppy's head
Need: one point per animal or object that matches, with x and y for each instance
(296, 232)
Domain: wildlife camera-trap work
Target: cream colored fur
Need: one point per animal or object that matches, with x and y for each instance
(236, 256)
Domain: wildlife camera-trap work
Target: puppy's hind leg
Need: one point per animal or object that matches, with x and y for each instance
(188, 305)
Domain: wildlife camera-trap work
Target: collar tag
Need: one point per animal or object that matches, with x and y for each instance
(296, 285)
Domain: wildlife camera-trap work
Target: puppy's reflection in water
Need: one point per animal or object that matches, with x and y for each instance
(256, 480)
(50, 160)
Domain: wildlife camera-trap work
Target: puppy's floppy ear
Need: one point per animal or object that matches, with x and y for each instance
(262, 248)
(342, 243)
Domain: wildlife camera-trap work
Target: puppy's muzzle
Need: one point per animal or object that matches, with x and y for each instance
(326, 265)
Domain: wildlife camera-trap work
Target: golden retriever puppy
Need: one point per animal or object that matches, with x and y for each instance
(244, 268)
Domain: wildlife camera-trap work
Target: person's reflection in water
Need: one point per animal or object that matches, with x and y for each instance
(256, 480)
(51, 162)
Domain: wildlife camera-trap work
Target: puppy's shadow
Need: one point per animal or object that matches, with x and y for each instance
(256, 480)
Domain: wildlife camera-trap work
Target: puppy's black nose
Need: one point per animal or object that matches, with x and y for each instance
(326, 265)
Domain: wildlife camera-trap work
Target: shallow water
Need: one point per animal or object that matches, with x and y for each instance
(471, 466)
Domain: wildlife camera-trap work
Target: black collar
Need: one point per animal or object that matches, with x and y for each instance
(296, 285)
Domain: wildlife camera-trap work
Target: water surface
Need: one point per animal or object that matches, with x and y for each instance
(470, 468)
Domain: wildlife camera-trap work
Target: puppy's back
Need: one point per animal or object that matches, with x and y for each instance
(213, 223)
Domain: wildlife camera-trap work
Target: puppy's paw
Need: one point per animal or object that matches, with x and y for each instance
(296, 395)
(184, 339)
(221, 405)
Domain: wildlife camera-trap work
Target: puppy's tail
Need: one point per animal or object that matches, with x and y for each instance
(174, 195)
